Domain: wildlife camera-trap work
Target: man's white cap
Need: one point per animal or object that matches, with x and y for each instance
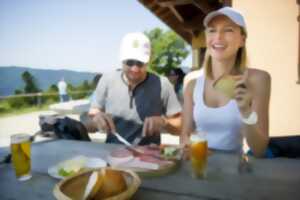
(229, 12)
(135, 46)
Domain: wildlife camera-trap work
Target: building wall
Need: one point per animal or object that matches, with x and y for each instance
(273, 46)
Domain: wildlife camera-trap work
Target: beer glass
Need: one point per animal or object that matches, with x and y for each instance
(198, 154)
(20, 150)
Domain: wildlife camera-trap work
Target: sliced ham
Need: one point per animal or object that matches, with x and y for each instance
(150, 150)
(121, 152)
(149, 159)
(119, 157)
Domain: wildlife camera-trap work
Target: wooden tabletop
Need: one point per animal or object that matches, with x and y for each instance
(270, 178)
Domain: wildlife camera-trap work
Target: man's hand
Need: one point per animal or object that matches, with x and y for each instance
(103, 121)
(153, 125)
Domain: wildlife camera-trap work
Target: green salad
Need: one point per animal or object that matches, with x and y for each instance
(64, 173)
(169, 152)
(72, 166)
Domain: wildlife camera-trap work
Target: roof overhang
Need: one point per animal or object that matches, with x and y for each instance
(183, 16)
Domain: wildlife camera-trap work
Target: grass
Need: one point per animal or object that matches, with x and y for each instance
(6, 110)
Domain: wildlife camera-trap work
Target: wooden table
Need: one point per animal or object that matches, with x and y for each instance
(270, 179)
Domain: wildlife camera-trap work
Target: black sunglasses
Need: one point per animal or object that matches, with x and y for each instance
(131, 63)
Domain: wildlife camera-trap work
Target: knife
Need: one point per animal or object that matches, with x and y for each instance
(129, 146)
(123, 140)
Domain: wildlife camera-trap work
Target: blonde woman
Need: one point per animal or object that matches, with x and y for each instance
(226, 121)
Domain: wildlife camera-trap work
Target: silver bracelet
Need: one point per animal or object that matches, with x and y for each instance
(251, 119)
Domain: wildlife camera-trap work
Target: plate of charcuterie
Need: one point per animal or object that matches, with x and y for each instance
(148, 160)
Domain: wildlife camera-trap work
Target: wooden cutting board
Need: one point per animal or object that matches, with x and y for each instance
(161, 171)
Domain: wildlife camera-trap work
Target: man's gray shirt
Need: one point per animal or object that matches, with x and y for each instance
(155, 96)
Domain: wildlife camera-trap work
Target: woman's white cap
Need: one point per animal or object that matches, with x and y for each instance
(135, 46)
(229, 12)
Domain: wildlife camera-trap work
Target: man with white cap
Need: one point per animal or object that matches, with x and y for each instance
(134, 102)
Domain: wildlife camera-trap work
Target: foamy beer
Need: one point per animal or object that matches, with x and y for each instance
(20, 150)
(198, 155)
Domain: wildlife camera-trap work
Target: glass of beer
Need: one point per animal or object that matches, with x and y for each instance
(198, 154)
(20, 151)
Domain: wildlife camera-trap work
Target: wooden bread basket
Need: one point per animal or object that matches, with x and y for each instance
(73, 187)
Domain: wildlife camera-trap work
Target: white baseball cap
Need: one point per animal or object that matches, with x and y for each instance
(135, 46)
(229, 12)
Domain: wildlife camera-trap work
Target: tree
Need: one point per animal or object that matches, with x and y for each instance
(84, 90)
(30, 84)
(53, 88)
(30, 87)
(52, 98)
(168, 50)
(85, 86)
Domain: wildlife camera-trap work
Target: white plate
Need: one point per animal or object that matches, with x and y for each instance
(89, 162)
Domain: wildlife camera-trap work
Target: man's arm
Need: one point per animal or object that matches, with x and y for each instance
(173, 124)
(170, 121)
(157, 124)
(102, 120)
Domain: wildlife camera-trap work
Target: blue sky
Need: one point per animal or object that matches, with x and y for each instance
(81, 35)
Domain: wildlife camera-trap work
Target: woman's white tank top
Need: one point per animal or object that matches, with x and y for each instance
(221, 124)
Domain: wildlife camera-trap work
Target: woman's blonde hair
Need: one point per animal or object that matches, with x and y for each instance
(240, 61)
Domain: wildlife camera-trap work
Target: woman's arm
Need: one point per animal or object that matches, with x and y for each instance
(259, 89)
(187, 114)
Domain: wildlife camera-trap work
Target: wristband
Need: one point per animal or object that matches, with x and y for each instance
(251, 119)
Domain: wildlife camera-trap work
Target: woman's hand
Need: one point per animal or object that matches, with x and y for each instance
(185, 146)
(186, 151)
(242, 94)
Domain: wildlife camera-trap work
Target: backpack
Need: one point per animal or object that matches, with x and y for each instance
(63, 127)
(285, 146)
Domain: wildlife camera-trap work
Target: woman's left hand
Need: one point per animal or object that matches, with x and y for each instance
(242, 93)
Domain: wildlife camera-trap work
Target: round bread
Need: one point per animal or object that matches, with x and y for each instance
(113, 184)
(226, 85)
(94, 184)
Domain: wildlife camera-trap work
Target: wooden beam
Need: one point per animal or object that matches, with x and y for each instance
(190, 27)
(161, 11)
(170, 4)
(164, 13)
(203, 6)
(176, 13)
(148, 3)
(227, 3)
(195, 22)
(167, 3)
(167, 18)
(198, 41)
